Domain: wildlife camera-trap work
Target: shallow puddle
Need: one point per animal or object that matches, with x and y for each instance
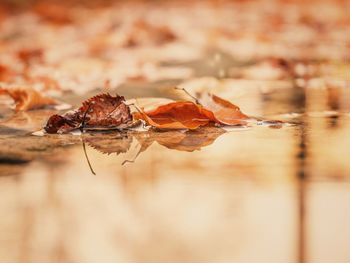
(263, 193)
(274, 190)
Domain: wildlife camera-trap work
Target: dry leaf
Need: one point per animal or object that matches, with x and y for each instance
(28, 98)
(224, 111)
(189, 115)
(101, 112)
(177, 115)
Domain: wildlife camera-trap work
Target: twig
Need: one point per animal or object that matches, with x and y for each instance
(133, 160)
(82, 125)
(136, 107)
(87, 159)
(135, 157)
(189, 94)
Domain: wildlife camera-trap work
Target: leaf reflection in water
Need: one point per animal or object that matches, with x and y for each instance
(109, 143)
(106, 144)
(185, 141)
(189, 141)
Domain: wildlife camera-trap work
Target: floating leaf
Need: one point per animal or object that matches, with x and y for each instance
(101, 112)
(189, 115)
(176, 115)
(224, 111)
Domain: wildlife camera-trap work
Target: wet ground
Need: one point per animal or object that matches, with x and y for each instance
(256, 194)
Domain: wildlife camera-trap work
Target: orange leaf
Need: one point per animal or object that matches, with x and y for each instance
(177, 115)
(224, 111)
(189, 115)
(28, 98)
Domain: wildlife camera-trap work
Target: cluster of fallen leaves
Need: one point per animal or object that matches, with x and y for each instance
(70, 52)
(106, 112)
(56, 46)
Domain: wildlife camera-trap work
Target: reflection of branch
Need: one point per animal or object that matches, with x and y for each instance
(82, 126)
(87, 159)
(302, 176)
(189, 94)
(135, 157)
(301, 212)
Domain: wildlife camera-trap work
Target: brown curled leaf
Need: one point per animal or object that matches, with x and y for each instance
(105, 111)
(58, 123)
(28, 98)
(101, 112)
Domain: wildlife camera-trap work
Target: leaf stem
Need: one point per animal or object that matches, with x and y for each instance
(82, 125)
(189, 94)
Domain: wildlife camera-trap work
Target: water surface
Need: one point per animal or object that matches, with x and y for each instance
(260, 194)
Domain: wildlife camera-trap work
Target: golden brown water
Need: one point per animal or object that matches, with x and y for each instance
(252, 195)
